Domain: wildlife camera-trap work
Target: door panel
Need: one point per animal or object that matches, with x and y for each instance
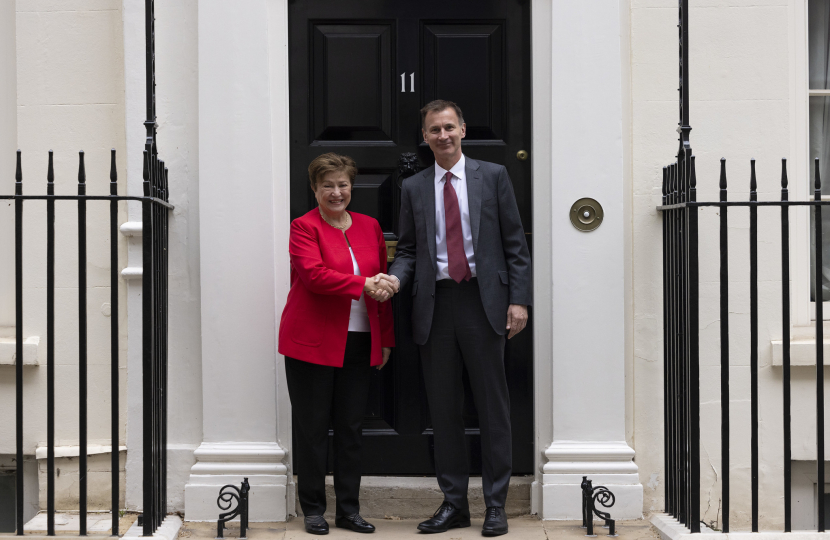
(464, 63)
(359, 73)
(372, 195)
(351, 82)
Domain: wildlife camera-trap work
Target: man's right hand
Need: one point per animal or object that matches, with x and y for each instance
(386, 287)
(393, 281)
(380, 288)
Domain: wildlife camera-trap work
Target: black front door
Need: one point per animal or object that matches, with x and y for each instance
(359, 73)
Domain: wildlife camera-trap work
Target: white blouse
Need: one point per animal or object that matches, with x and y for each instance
(359, 317)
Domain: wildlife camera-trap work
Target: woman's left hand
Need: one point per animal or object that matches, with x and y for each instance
(386, 352)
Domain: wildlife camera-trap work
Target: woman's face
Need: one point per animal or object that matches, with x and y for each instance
(334, 192)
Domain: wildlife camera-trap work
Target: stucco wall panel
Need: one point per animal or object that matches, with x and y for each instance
(70, 97)
(50, 45)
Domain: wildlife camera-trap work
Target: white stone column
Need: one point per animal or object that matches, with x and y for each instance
(238, 219)
(8, 145)
(580, 277)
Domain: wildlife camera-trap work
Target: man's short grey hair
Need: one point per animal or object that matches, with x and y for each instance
(439, 105)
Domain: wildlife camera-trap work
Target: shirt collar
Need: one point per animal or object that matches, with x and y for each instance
(457, 170)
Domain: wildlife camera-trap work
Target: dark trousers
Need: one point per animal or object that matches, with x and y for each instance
(323, 396)
(461, 336)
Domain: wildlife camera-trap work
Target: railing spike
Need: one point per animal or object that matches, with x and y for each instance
(753, 182)
(692, 180)
(784, 180)
(160, 178)
(818, 177)
(146, 173)
(18, 172)
(692, 174)
(81, 168)
(50, 171)
(672, 179)
(113, 174)
(723, 173)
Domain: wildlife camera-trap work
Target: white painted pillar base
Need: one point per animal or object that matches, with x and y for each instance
(605, 463)
(218, 464)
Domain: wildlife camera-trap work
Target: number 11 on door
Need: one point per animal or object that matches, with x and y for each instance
(411, 82)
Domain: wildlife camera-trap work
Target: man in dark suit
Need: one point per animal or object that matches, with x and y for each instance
(463, 249)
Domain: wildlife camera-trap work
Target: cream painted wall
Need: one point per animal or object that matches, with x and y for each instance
(8, 144)
(70, 97)
(744, 67)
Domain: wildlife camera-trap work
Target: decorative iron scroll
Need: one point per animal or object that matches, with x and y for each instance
(227, 495)
(590, 497)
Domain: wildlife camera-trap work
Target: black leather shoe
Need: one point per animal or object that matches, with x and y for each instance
(355, 523)
(445, 518)
(316, 525)
(495, 521)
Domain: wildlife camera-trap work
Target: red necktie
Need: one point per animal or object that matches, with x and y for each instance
(456, 257)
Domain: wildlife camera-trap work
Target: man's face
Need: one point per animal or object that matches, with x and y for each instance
(443, 133)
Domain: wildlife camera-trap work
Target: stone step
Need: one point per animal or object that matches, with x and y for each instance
(404, 497)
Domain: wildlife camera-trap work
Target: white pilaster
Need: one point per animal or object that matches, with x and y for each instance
(238, 273)
(580, 277)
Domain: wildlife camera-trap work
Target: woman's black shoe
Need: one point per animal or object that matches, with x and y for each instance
(355, 523)
(316, 525)
(495, 522)
(445, 518)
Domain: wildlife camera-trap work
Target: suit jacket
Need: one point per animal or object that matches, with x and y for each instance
(502, 258)
(315, 322)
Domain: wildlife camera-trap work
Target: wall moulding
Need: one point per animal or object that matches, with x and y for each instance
(8, 351)
(587, 457)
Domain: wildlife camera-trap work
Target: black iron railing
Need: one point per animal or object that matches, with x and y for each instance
(154, 341)
(681, 340)
(155, 208)
(680, 344)
(154, 310)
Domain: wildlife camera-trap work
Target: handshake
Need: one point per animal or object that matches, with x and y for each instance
(381, 287)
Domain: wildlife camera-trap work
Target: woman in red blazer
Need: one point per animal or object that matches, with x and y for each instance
(334, 329)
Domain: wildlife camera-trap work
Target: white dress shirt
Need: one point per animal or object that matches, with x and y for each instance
(358, 317)
(459, 183)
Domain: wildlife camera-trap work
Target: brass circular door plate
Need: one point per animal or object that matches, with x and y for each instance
(586, 214)
(522, 155)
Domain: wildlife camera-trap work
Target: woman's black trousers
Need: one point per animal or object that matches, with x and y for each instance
(324, 397)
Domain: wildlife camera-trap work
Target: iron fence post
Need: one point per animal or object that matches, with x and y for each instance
(18, 368)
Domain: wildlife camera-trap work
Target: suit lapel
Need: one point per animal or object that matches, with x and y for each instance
(475, 188)
(428, 200)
